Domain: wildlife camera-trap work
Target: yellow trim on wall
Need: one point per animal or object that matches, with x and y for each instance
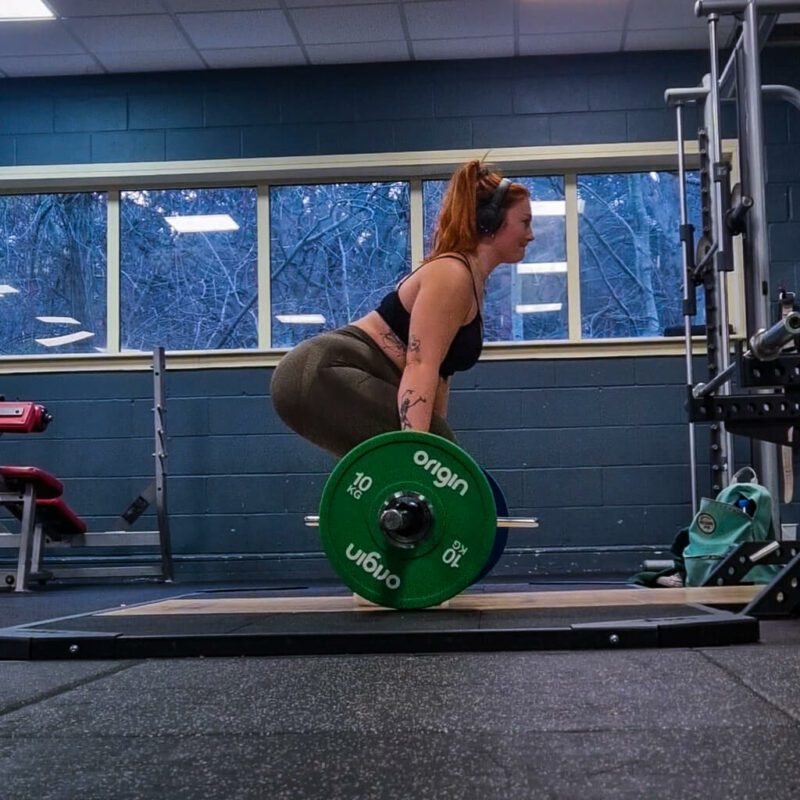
(233, 359)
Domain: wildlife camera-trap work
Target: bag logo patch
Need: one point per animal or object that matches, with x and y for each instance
(706, 523)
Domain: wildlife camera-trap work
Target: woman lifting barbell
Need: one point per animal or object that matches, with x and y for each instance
(391, 369)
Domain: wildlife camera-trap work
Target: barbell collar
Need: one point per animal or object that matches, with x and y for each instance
(312, 521)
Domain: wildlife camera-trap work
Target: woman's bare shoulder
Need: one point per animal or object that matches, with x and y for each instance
(449, 267)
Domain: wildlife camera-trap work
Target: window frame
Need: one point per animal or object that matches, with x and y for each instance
(414, 167)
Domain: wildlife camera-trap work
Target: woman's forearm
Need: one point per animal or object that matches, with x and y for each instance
(416, 396)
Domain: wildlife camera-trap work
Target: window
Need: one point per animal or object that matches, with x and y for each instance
(525, 301)
(243, 258)
(188, 269)
(631, 267)
(335, 250)
(53, 273)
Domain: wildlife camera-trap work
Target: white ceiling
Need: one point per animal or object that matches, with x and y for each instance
(104, 36)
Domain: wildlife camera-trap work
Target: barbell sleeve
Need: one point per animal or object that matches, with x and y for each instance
(312, 521)
(766, 345)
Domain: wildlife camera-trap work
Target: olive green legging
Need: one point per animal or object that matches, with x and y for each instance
(340, 389)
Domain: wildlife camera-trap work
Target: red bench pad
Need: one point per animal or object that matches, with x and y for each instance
(46, 485)
(58, 519)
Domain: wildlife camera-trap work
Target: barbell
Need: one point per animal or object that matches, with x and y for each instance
(409, 520)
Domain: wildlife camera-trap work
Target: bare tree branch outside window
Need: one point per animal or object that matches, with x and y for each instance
(53, 273)
(630, 254)
(335, 249)
(188, 290)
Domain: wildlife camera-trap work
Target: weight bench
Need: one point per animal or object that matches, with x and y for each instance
(33, 496)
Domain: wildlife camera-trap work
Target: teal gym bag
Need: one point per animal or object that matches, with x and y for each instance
(742, 512)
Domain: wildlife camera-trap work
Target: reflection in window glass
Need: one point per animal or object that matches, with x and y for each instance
(189, 271)
(335, 249)
(525, 301)
(631, 268)
(53, 273)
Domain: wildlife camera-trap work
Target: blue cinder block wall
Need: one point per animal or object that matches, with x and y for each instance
(597, 448)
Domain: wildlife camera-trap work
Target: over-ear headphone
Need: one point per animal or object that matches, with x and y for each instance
(490, 215)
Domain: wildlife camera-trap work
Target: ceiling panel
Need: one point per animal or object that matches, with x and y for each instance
(49, 65)
(577, 43)
(291, 4)
(127, 34)
(181, 6)
(572, 16)
(672, 38)
(367, 52)
(349, 24)
(144, 61)
(235, 29)
(458, 19)
(34, 38)
(488, 47)
(653, 14)
(253, 57)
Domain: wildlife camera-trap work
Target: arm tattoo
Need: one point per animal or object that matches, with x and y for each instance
(409, 400)
(393, 343)
(414, 345)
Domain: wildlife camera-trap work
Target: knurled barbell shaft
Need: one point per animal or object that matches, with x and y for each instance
(312, 521)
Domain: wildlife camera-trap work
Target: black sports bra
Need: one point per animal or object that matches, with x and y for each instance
(466, 346)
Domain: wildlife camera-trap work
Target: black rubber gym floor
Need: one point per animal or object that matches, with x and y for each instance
(710, 722)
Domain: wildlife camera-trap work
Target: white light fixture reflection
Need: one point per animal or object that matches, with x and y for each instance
(301, 319)
(538, 308)
(24, 9)
(59, 320)
(543, 268)
(70, 338)
(6, 289)
(553, 208)
(548, 208)
(203, 223)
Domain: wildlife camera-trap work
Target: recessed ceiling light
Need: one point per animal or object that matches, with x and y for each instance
(203, 223)
(24, 9)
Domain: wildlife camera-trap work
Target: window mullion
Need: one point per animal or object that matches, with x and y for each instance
(262, 268)
(573, 258)
(113, 281)
(416, 220)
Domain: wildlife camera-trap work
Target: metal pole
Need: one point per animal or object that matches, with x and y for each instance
(722, 338)
(756, 236)
(160, 455)
(708, 7)
(687, 288)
